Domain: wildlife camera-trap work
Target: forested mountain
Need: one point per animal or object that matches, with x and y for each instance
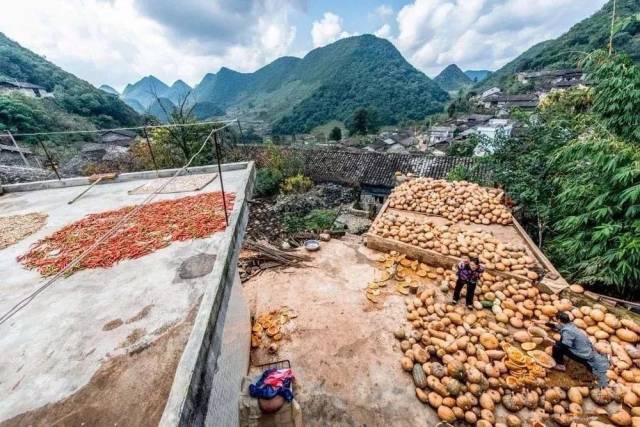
(586, 36)
(76, 103)
(477, 75)
(145, 91)
(109, 90)
(452, 79)
(363, 71)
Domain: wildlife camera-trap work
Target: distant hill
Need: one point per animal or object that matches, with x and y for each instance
(161, 108)
(109, 90)
(145, 91)
(586, 36)
(177, 92)
(296, 95)
(452, 79)
(477, 76)
(77, 104)
(207, 110)
(230, 87)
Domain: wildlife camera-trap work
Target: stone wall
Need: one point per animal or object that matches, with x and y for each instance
(15, 174)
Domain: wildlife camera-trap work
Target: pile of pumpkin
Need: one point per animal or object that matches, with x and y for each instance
(452, 240)
(465, 364)
(267, 328)
(405, 274)
(457, 201)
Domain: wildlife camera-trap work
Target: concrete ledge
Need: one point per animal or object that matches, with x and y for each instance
(188, 400)
(129, 176)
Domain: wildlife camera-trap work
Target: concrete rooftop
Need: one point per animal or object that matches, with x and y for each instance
(101, 345)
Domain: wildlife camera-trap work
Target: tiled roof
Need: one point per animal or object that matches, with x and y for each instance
(14, 149)
(370, 168)
(21, 85)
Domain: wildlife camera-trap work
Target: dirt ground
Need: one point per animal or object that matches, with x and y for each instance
(341, 347)
(113, 396)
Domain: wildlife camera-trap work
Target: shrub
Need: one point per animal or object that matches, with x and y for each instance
(458, 173)
(267, 182)
(316, 220)
(296, 184)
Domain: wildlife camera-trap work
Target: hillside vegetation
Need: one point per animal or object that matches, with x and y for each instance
(576, 177)
(362, 71)
(568, 49)
(77, 104)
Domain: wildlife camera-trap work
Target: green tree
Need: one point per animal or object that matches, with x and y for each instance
(364, 121)
(335, 134)
(598, 211)
(617, 93)
(575, 176)
(359, 122)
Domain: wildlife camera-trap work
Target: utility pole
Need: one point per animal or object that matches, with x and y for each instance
(50, 159)
(146, 137)
(216, 144)
(613, 20)
(24, 159)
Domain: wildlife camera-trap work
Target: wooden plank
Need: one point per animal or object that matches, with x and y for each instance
(427, 256)
(540, 256)
(554, 281)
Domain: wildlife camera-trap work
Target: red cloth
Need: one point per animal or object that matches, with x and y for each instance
(278, 377)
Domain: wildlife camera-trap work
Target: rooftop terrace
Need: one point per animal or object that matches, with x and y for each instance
(90, 347)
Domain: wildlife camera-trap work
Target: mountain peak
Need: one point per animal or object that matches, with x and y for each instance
(452, 78)
(180, 84)
(108, 89)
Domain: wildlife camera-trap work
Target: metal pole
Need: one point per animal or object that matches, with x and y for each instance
(24, 159)
(224, 200)
(51, 162)
(146, 136)
(241, 133)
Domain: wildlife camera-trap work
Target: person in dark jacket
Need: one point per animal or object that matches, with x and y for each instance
(469, 273)
(575, 345)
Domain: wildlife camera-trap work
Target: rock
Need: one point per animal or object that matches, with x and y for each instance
(325, 237)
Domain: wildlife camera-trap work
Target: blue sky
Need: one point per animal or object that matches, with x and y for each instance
(119, 41)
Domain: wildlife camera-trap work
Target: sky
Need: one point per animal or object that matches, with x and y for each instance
(120, 41)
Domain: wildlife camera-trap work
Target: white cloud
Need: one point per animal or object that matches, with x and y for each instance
(481, 33)
(384, 31)
(327, 30)
(384, 11)
(116, 42)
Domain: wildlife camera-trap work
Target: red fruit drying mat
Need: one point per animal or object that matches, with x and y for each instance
(155, 226)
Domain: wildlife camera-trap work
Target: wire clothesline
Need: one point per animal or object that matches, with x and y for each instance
(69, 132)
(25, 301)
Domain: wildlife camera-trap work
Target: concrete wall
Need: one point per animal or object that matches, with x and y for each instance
(201, 362)
(82, 181)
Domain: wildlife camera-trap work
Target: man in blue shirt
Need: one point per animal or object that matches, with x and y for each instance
(575, 344)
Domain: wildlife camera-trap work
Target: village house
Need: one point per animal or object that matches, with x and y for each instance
(16, 156)
(489, 133)
(24, 88)
(123, 138)
(439, 134)
(552, 76)
(487, 93)
(509, 102)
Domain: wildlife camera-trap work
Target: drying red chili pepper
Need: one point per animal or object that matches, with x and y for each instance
(154, 227)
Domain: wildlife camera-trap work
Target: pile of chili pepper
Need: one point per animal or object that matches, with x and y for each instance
(154, 226)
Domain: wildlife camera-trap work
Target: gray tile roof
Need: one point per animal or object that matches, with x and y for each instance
(368, 168)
